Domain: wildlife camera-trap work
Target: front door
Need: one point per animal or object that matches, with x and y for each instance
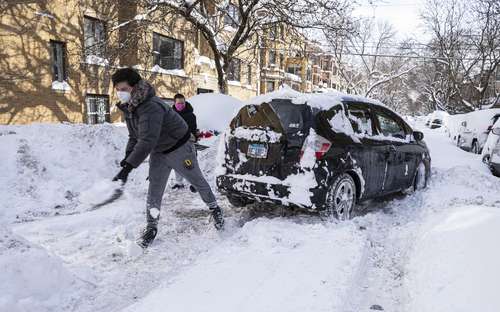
(396, 138)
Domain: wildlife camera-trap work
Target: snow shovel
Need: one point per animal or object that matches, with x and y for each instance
(117, 193)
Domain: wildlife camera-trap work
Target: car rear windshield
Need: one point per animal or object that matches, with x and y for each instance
(296, 119)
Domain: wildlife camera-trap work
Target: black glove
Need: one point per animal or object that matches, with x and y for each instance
(123, 163)
(123, 174)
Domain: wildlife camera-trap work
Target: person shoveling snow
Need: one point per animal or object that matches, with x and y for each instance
(156, 130)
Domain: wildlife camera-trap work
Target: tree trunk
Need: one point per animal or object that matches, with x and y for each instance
(221, 75)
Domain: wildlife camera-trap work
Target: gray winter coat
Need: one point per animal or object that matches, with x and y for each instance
(153, 125)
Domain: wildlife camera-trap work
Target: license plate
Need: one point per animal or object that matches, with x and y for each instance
(257, 150)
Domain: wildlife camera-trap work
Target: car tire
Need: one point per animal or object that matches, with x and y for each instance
(341, 198)
(237, 201)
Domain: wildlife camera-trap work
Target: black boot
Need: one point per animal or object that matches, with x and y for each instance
(177, 186)
(218, 218)
(148, 236)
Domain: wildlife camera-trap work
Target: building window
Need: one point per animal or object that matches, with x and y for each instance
(249, 74)
(272, 57)
(201, 90)
(168, 52)
(97, 108)
(233, 71)
(94, 33)
(232, 16)
(498, 73)
(269, 86)
(294, 69)
(273, 31)
(58, 50)
(282, 60)
(262, 57)
(282, 31)
(309, 74)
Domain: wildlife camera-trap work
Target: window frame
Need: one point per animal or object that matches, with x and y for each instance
(272, 52)
(157, 53)
(361, 106)
(249, 74)
(63, 66)
(231, 70)
(102, 49)
(96, 113)
(388, 113)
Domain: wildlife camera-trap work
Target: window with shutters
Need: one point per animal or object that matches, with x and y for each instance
(94, 33)
(97, 108)
(168, 53)
(58, 51)
(234, 70)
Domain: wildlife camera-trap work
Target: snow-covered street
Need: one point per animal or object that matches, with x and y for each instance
(434, 250)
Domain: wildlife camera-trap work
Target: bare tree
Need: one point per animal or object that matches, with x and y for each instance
(231, 27)
(360, 55)
(466, 44)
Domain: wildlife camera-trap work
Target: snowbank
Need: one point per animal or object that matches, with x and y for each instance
(257, 270)
(31, 279)
(214, 111)
(454, 266)
(45, 168)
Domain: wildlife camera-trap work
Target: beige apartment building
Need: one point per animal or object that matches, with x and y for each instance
(57, 58)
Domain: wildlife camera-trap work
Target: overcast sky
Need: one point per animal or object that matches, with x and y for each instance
(402, 14)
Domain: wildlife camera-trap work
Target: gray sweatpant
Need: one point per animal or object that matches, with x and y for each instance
(160, 166)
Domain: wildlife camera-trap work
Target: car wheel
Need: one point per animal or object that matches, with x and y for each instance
(475, 148)
(420, 181)
(237, 201)
(341, 198)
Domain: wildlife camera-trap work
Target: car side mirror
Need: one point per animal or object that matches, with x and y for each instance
(496, 131)
(419, 136)
(464, 124)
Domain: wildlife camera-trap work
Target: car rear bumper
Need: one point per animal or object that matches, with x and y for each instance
(271, 191)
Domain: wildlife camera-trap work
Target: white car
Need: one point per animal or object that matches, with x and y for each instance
(474, 129)
(491, 150)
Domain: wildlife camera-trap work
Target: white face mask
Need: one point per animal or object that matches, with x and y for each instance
(124, 96)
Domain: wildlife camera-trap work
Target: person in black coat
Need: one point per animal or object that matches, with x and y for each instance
(185, 110)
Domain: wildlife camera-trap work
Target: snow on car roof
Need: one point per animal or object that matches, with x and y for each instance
(324, 100)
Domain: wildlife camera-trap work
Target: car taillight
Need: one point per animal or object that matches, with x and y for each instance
(320, 146)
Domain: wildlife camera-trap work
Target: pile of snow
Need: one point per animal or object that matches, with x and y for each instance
(60, 86)
(454, 266)
(293, 77)
(200, 60)
(33, 280)
(258, 270)
(324, 100)
(96, 60)
(46, 168)
(214, 111)
(174, 72)
(257, 135)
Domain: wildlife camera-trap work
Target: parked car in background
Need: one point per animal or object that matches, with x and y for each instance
(474, 129)
(435, 120)
(491, 150)
(320, 151)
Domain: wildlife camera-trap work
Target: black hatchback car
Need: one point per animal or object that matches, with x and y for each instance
(322, 152)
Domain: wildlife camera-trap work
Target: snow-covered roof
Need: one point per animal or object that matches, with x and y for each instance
(324, 100)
